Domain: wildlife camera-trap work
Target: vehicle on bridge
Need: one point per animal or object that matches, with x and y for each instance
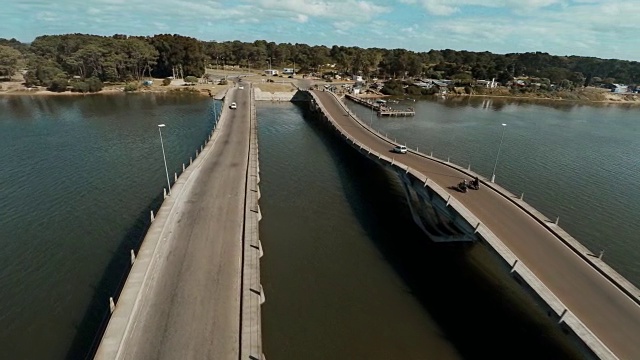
(233, 106)
(400, 149)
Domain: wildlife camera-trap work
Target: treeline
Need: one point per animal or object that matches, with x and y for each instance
(58, 59)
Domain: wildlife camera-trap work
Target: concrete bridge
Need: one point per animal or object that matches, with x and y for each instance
(194, 290)
(597, 309)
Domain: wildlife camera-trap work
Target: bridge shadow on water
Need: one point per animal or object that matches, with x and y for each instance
(94, 322)
(448, 279)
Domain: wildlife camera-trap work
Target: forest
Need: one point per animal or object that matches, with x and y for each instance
(86, 61)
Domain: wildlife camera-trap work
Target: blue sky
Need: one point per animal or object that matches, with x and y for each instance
(600, 28)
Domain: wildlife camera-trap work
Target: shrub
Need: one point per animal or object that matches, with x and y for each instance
(94, 84)
(80, 86)
(393, 87)
(223, 82)
(166, 82)
(414, 90)
(191, 79)
(58, 85)
(131, 87)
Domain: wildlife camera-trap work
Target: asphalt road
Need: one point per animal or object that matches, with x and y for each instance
(191, 307)
(609, 313)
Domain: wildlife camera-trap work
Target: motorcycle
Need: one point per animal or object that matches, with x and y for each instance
(462, 187)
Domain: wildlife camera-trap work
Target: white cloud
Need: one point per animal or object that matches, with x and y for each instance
(301, 18)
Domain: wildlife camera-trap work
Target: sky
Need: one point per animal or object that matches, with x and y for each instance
(607, 29)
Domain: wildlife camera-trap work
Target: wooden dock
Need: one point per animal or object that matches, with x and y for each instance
(381, 109)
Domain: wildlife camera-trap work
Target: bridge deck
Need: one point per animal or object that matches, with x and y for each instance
(609, 313)
(182, 299)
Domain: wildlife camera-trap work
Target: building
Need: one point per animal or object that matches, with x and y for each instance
(619, 88)
(271, 72)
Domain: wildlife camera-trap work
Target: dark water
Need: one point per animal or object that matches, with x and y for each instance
(347, 274)
(78, 177)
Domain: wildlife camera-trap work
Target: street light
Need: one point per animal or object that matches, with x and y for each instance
(493, 175)
(160, 126)
(269, 60)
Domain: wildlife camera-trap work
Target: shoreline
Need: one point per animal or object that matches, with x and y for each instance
(211, 93)
(201, 92)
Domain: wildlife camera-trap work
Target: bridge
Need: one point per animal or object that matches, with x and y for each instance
(597, 308)
(194, 287)
(194, 291)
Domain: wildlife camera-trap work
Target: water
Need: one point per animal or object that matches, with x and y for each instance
(346, 272)
(78, 178)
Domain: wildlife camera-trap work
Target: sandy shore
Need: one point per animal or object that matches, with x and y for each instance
(16, 88)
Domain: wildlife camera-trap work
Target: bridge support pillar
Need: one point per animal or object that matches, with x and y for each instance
(175, 178)
(557, 220)
(260, 248)
(564, 312)
(112, 305)
(190, 160)
(263, 298)
(513, 267)
(601, 254)
(164, 195)
(196, 152)
(521, 196)
(133, 256)
(183, 168)
(152, 217)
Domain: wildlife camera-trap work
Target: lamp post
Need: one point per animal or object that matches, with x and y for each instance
(269, 61)
(166, 171)
(371, 116)
(493, 174)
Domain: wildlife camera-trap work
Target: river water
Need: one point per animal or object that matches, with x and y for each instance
(346, 273)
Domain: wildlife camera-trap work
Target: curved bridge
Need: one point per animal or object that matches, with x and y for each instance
(585, 297)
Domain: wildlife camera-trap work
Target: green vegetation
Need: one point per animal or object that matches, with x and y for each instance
(131, 87)
(122, 59)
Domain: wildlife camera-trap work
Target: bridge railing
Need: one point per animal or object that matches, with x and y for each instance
(517, 267)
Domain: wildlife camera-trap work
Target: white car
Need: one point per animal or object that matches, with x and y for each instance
(240, 87)
(400, 149)
(233, 106)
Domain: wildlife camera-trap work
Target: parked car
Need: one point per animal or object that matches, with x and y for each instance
(233, 106)
(400, 149)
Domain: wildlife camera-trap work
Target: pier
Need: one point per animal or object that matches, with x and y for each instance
(381, 109)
